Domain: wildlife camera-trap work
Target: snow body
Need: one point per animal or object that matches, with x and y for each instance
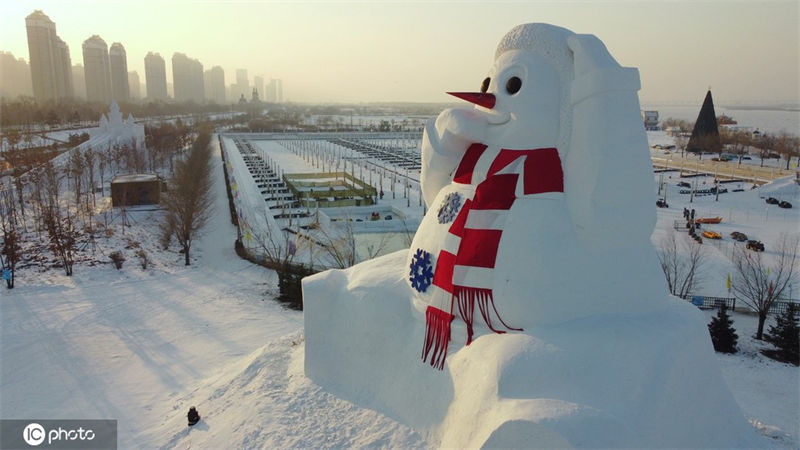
(605, 356)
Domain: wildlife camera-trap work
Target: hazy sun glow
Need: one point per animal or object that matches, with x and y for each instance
(414, 51)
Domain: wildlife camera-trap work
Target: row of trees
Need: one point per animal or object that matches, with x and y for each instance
(25, 112)
(741, 142)
(756, 281)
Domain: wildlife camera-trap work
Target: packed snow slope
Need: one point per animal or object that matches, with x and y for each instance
(143, 346)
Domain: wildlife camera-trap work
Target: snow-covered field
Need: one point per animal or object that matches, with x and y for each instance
(142, 346)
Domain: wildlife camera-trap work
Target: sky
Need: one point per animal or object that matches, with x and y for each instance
(414, 51)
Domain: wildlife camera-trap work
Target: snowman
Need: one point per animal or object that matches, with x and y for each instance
(531, 282)
(511, 186)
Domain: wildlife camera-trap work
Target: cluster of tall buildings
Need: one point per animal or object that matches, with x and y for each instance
(104, 75)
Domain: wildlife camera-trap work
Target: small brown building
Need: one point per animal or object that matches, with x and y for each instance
(135, 189)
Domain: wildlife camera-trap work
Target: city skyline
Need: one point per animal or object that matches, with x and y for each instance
(359, 52)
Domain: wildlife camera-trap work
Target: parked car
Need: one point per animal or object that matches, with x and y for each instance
(746, 158)
(738, 236)
(785, 204)
(772, 201)
(756, 246)
(684, 184)
(661, 203)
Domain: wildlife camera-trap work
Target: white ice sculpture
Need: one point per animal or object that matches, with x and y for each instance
(534, 271)
(113, 130)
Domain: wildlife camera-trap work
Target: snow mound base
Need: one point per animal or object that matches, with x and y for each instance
(616, 380)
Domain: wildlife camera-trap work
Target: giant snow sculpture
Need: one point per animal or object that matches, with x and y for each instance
(531, 290)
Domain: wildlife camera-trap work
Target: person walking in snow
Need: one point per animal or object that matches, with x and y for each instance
(193, 416)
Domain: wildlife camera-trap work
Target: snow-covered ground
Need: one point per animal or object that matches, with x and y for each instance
(141, 346)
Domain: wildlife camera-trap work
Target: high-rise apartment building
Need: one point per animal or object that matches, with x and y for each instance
(155, 77)
(275, 91)
(15, 76)
(135, 85)
(120, 90)
(97, 70)
(51, 68)
(79, 81)
(242, 86)
(215, 85)
(258, 85)
(187, 79)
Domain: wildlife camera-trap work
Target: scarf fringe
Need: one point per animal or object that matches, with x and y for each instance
(467, 297)
(437, 336)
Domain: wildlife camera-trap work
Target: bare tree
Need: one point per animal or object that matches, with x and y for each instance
(340, 248)
(11, 249)
(373, 250)
(681, 142)
(63, 235)
(759, 284)
(786, 145)
(90, 156)
(682, 264)
(765, 144)
(189, 201)
(102, 160)
(76, 171)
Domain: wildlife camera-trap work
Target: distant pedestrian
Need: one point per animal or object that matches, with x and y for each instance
(193, 416)
(692, 214)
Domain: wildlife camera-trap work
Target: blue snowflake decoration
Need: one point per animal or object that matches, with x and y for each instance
(449, 209)
(421, 274)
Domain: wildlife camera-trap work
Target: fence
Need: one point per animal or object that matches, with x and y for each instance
(780, 307)
(706, 302)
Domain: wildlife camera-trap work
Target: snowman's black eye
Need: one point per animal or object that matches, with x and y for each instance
(513, 85)
(485, 84)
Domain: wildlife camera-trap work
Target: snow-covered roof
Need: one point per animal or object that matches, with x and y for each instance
(134, 178)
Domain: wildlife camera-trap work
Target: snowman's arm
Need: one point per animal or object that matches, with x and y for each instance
(436, 166)
(444, 142)
(609, 172)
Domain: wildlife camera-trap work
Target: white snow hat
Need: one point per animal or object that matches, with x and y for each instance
(548, 40)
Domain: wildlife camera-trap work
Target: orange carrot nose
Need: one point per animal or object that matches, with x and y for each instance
(479, 98)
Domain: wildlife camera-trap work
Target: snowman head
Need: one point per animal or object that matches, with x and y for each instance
(525, 95)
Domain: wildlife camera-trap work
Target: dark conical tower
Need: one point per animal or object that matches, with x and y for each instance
(705, 136)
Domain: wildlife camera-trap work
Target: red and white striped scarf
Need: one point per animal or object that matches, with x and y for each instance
(467, 274)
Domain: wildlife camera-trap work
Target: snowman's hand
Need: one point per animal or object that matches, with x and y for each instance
(590, 54)
(457, 128)
(443, 145)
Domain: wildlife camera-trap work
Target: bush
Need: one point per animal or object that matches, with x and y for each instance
(142, 258)
(723, 336)
(785, 335)
(118, 258)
